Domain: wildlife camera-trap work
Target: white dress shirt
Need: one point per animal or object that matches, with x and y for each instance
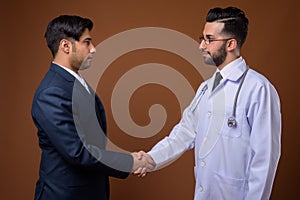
(232, 163)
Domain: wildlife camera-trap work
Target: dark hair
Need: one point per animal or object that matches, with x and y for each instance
(235, 22)
(65, 27)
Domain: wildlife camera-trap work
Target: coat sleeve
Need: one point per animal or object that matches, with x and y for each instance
(54, 115)
(265, 120)
(181, 138)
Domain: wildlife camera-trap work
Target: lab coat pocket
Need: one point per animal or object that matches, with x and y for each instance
(228, 187)
(234, 131)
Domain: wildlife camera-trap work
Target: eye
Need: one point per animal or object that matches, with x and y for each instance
(209, 38)
(87, 42)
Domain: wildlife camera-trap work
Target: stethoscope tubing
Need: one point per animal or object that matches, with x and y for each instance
(231, 120)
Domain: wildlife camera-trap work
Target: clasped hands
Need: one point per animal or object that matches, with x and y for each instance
(142, 163)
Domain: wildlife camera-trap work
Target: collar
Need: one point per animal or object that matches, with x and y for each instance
(64, 73)
(76, 75)
(234, 70)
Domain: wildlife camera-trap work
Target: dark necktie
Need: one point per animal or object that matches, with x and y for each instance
(218, 78)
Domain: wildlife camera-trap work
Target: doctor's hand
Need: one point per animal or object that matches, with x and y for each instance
(141, 171)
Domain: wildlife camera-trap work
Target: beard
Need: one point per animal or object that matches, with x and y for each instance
(81, 64)
(218, 57)
(86, 63)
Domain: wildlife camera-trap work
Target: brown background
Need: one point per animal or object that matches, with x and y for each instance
(272, 48)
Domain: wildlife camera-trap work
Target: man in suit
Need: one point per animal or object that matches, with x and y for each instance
(71, 123)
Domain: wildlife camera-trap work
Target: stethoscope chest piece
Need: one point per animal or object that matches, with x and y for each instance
(231, 122)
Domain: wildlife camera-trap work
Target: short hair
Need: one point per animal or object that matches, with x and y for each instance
(65, 27)
(235, 22)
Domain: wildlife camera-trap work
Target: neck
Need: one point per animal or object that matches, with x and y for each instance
(65, 63)
(228, 60)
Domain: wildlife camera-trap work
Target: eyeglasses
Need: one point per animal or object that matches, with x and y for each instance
(209, 40)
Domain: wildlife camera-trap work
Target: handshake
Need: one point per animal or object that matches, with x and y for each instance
(142, 163)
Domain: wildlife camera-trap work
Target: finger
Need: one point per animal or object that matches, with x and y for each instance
(140, 154)
(138, 171)
(141, 175)
(144, 170)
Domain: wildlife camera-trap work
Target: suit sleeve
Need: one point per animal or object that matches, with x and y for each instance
(55, 116)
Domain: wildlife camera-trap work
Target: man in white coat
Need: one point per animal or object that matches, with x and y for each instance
(234, 126)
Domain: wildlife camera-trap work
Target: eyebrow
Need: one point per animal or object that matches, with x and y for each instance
(208, 35)
(87, 39)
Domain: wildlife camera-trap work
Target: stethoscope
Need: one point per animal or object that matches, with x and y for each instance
(231, 122)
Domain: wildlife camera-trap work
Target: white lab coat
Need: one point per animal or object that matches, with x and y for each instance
(231, 163)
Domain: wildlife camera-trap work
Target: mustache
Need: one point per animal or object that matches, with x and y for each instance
(203, 51)
(89, 56)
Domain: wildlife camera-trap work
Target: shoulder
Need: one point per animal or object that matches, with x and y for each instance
(53, 84)
(258, 83)
(258, 78)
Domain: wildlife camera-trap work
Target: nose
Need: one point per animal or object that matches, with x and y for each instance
(202, 45)
(93, 49)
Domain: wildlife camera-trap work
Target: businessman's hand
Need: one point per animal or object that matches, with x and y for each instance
(149, 164)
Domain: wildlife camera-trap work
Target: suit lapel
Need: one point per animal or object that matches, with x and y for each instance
(81, 96)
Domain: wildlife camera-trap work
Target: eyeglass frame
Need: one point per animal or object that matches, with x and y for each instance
(209, 40)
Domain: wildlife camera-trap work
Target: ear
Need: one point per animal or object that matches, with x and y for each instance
(65, 46)
(231, 44)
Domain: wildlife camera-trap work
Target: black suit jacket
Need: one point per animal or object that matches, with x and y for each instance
(72, 136)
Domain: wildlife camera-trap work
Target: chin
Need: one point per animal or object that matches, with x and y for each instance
(209, 62)
(84, 67)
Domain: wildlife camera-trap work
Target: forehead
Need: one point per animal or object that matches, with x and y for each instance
(213, 28)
